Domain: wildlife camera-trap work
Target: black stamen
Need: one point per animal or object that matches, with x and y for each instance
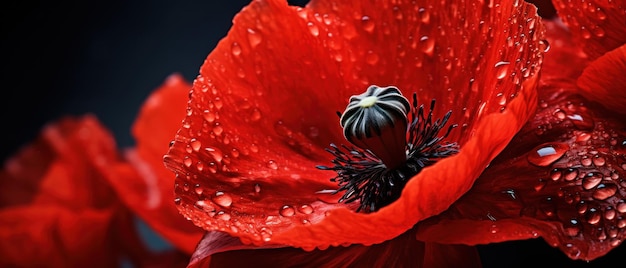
(363, 177)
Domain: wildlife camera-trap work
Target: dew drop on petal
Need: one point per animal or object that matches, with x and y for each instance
(305, 209)
(287, 211)
(591, 181)
(208, 116)
(502, 69)
(547, 153)
(187, 161)
(604, 191)
(195, 144)
(272, 164)
(424, 15)
(428, 45)
(371, 58)
(222, 216)
(315, 31)
(223, 199)
(581, 122)
(235, 49)
(215, 153)
(254, 38)
(368, 24)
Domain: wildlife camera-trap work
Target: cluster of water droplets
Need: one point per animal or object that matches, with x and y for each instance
(584, 177)
(594, 21)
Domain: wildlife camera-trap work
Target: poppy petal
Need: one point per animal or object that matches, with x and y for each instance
(55, 197)
(55, 236)
(263, 110)
(403, 251)
(603, 80)
(600, 26)
(141, 180)
(561, 177)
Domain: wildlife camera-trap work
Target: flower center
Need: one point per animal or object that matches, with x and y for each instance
(389, 151)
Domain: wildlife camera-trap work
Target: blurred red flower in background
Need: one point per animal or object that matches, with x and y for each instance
(262, 111)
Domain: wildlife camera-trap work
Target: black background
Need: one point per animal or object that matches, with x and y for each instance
(105, 57)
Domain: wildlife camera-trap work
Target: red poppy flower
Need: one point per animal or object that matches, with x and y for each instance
(57, 208)
(262, 112)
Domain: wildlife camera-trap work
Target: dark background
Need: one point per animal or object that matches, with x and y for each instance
(105, 57)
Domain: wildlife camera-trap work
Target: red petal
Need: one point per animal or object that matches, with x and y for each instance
(403, 251)
(142, 182)
(56, 209)
(569, 188)
(600, 25)
(263, 109)
(55, 236)
(604, 80)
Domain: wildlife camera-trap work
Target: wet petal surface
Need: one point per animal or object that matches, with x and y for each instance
(263, 110)
(599, 26)
(561, 178)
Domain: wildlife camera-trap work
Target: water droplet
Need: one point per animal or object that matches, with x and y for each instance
(198, 189)
(368, 24)
(195, 144)
(222, 216)
(545, 45)
(223, 199)
(591, 180)
(583, 137)
(272, 164)
(177, 200)
(305, 209)
(215, 153)
(217, 129)
(315, 31)
(555, 174)
(501, 99)
(235, 49)
(371, 58)
(571, 174)
(621, 207)
(254, 38)
(424, 15)
(428, 45)
(547, 153)
(580, 122)
(187, 161)
(493, 229)
(609, 214)
(208, 116)
(604, 191)
(287, 211)
(560, 114)
(257, 188)
(599, 161)
(593, 217)
(502, 69)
